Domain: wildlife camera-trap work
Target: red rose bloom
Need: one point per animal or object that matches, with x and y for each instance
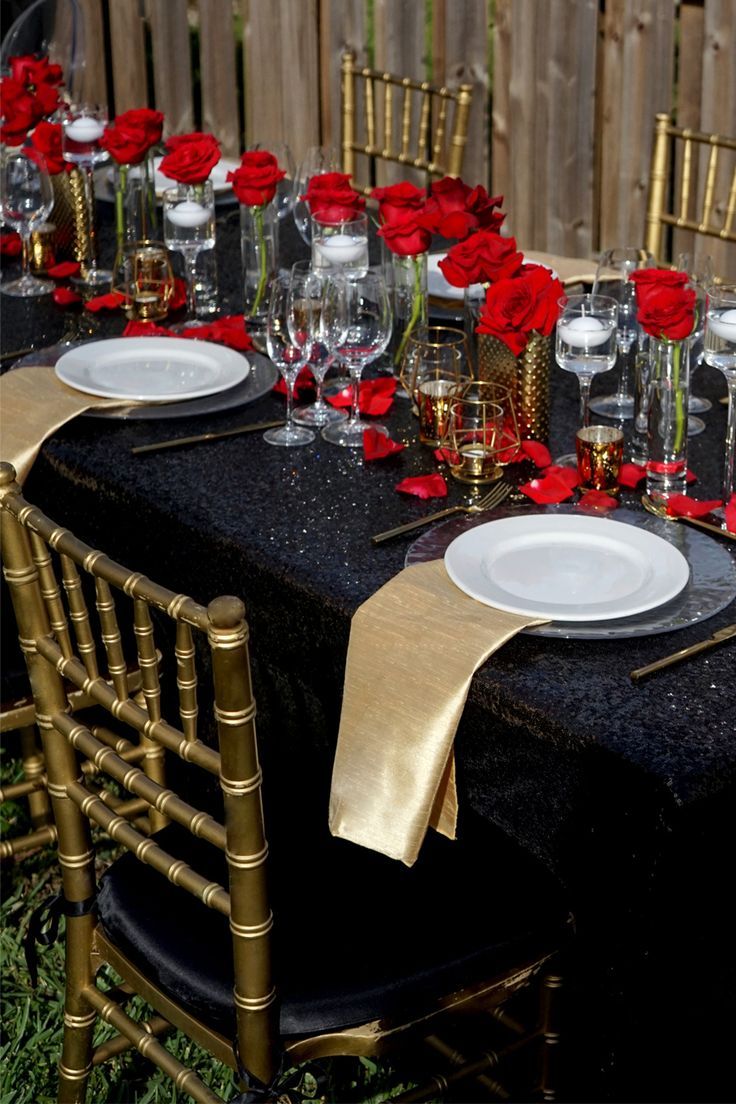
(666, 310)
(131, 135)
(190, 158)
(521, 304)
(20, 112)
(395, 200)
(45, 148)
(33, 71)
(330, 196)
(406, 237)
(454, 210)
(482, 258)
(254, 181)
(667, 277)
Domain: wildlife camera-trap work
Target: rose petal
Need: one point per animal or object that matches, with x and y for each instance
(730, 513)
(10, 244)
(423, 486)
(376, 445)
(691, 477)
(683, 506)
(595, 501)
(65, 297)
(375, 396)
(548, 490)
(146, 329)
(537, 452)
(111, 301)
(569, 476)
(63, 270)
(631, 475)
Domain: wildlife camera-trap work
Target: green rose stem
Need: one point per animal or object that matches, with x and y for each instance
(416, 310)
(119, 203)
(258, 219)
(679, 409)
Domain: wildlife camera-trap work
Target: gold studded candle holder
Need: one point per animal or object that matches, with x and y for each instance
(526, 377)
(70, 216)
(481, 435)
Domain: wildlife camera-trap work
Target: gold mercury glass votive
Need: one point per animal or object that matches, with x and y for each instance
(143, 275)
(42, 254)
(482, 435)
(600, 451)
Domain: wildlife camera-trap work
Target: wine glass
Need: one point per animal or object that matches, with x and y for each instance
(586, 344)
(289, 357)
(189, 227)
(317, 160)
(306, 329)
(720, 353)
(700, 271)
(26, 199)
(612, 280)
(357, 326)
(82, 126)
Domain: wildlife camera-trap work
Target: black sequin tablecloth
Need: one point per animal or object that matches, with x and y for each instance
(625, 790)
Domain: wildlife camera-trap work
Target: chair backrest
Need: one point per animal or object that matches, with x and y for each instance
(692, 186)
(407, 122)
(37, 553)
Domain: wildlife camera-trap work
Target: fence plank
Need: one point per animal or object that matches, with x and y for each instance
(342, 25)
(523, 69)
(130, 77)
(500, 101)
(172, 67)
(460, 54)
(637, 82)
(718, 107)
(93, 84)
(399, 49)
(689, 83)
(217, 62)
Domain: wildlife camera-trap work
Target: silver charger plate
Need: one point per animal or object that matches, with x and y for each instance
(260, 380)
(712, 584)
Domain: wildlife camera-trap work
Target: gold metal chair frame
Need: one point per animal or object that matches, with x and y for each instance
(438, 150)
(57, 656)
(679, 209)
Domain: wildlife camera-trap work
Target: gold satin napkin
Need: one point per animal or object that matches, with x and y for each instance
(414, 647)
(571, 270)
(33, 404)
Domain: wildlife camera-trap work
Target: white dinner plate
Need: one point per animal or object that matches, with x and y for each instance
(438, 285)
(152, 369)
(566, 568)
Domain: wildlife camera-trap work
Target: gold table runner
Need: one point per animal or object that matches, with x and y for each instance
(414, 647)
(34, 403)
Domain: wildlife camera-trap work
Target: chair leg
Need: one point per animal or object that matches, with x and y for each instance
(33, 768)
(79, 1018)
(550, 995)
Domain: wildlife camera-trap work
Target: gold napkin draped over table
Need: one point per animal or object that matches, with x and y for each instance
(34, 403)
(414, 647)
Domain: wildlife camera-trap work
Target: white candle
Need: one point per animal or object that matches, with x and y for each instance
(85, 129)
(342, 249)
(188, 213)
(724, 325)
(584, 332)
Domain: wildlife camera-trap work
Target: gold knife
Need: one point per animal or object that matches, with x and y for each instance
(720, 637)
(179, 442)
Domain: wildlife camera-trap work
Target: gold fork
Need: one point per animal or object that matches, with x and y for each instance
(494, 497)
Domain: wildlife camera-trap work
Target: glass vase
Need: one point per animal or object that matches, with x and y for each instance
(473, 299)
(136, 217)
(260, 263)
(410, 304)
(669, 378)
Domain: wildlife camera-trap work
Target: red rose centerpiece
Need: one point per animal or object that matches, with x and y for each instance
(130, 140)
(254, 183)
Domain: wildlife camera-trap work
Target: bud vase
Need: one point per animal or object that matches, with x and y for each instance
(260, 264)
(136, 218)
(410, 305)
(525, 376)
(669, 372)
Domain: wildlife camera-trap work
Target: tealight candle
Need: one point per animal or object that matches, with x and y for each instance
(341, 249)
(724, 325)
(584, 332)
(188, 213)
(85, 129)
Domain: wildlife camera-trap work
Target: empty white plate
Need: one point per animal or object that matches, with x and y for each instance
(566, 568)
(152, 369)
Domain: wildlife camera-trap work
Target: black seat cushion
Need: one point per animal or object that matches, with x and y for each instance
(357, 936)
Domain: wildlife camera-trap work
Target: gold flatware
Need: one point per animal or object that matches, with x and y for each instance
(16, 354)
(492, 498)
(720, 637)
(660, 511)
(181, 442)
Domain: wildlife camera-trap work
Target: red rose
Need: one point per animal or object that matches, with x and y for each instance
(526, 302)
(254, 181)
(131, 135)
(396, 199)
(330, 196)
(19, 111)
(482, 258)
(648, 277)
(45, 148)
(10, 244)
(406, 236)
(47, 100)
(666, 310)
(190, 158)
(27, 96)
(454, 210)
(33, 71)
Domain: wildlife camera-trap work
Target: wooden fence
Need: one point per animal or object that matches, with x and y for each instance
(564, 101)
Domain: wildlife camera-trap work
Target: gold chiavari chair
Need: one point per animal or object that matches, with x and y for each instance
(682, 190)
(367, 954)
(433, 121)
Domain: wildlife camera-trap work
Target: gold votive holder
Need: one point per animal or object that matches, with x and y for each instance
(143, 275)
(482, 435)
(434, 348)
(434, 396)
(600, 451)
(42, 250)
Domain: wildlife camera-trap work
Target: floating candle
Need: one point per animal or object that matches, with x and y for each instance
(342, 249)
(188, 213)
(724, 325)
(85, 129)
(584, 332)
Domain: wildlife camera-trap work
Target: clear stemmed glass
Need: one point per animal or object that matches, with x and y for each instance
(288, 356)
(357, 327)
(82, 126)
(189, 227)
(720, 352)
(612, 280)
(586, 344)
(306, 328)
(26, 198)
(700, 271)
(317, 160)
